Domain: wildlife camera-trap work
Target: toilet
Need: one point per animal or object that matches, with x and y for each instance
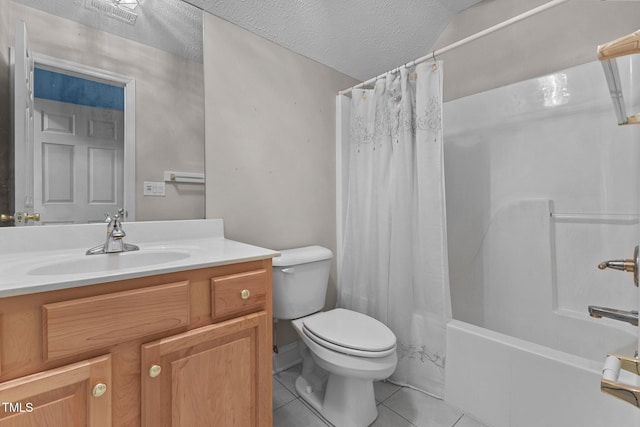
(342, 351)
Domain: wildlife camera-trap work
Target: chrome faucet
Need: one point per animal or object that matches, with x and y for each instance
(115, 236)
(612, 313)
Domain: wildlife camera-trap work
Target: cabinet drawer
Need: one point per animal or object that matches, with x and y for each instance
(237, 293)
(74, 326)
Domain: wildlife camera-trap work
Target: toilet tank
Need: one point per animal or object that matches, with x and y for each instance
(300, 280)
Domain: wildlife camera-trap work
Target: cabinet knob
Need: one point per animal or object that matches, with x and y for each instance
(99, 389)
(155, 370)
(245, 294)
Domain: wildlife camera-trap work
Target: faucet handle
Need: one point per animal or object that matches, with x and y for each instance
(630, 265)
(118, 232)
(114, 221)
(107, 217)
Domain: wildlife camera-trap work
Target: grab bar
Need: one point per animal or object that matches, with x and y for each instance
(610, 374)
(596, 217)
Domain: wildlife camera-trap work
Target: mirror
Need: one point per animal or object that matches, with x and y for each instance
(158, 44)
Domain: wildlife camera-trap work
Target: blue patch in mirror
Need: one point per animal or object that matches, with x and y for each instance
(76, 90)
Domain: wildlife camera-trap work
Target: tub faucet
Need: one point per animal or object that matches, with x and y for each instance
(612, 313)
(115, 236)
(630, 265)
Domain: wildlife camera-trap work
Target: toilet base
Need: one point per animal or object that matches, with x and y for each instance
(343, 401)
(340, 386)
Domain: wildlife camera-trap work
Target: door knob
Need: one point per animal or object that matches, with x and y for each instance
(25, 217)
(629, 265)
(20, 217)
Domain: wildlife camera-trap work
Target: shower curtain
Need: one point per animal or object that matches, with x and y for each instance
(394, 255)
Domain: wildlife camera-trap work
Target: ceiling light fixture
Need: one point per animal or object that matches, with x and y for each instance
(129, 4)
(118, 9)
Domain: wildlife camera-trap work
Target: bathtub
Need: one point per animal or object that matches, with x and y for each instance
(505, 381)
(524, 351)
(535, 200)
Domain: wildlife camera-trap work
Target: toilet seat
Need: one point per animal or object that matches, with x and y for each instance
(350, 332)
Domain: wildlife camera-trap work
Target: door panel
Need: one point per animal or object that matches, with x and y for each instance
(79, 156)
(57, 173)
(102, 174)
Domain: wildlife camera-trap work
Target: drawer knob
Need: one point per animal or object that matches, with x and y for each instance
(245, 294)
(99, 389)
(155, 370)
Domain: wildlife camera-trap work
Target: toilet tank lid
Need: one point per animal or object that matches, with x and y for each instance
(289, 257)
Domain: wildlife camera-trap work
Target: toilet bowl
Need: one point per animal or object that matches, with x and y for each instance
(344, 394)
(342, 351)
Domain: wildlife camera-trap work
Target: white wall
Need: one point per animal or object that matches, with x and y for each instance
(270, 142)
(558, 38)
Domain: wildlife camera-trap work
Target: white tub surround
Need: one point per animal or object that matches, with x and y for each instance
(46, 258)
(538, 196)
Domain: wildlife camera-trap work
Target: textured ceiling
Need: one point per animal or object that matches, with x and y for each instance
(361, 38)
(170, 25)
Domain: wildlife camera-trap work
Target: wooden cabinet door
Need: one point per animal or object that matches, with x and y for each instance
(216, 375)
(75, 395)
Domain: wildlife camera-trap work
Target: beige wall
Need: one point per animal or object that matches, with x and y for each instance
(169, 102)
(270, 143)
(270, 158)
(558, 38)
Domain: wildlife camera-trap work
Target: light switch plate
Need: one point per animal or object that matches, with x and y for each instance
(152, 188)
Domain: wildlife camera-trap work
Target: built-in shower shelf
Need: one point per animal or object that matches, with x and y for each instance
(617, 218)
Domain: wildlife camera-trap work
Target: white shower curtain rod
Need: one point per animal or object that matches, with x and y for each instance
(434, 54)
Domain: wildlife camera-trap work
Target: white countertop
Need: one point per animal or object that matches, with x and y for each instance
(45, 258)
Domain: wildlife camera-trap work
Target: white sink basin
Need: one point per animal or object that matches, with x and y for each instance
(52, 257)
(108, 262)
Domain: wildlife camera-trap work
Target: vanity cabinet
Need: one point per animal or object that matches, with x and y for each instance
(72, 396)
(188, 348)
(215, 368)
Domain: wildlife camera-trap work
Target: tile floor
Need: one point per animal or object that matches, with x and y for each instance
(397, 407)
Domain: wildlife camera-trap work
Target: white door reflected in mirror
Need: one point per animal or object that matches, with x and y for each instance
(77, 156)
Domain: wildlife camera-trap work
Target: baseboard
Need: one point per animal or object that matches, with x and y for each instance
(286, 357)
